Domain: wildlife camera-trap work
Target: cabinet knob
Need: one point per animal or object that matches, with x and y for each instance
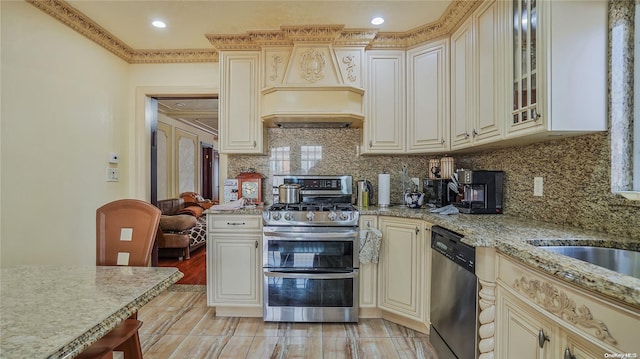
(542, 338)
(568, 355)
(254, 143)
(442, 142)
(475, 133)
(417, 230)
(370, 144)
(466, 134)
(256, 244)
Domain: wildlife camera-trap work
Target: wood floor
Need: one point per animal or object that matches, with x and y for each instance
(179, 324)
(194, 269)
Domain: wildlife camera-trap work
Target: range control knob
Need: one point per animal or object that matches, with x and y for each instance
(310, 216)
(275, 216)
(332, 216)
(344, 216)
(287, 216)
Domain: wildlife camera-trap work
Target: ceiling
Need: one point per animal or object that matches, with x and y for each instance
(189, 21)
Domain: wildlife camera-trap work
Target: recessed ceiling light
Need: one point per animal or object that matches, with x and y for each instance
(159, 24)
(377, 21)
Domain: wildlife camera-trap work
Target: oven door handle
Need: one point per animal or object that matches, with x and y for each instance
(312, 275)
(334, 236)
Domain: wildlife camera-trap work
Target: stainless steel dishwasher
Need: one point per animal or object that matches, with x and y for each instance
(454, 296)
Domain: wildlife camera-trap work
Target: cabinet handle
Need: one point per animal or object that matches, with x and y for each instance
(475, 133)
(256, 244)
(466, 134)
(442, 142)
(370, 144)
(542, 338)
(254, 143)
(568, 355)
(417, 230)
(235, 223)
(536, 115)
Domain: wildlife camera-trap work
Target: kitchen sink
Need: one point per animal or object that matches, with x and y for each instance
(623, 261)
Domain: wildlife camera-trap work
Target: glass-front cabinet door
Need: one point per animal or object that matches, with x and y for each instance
(525, 33)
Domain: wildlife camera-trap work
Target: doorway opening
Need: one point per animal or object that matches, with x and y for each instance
(184, 139)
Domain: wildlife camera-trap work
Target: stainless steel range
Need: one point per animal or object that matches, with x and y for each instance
(310, 253)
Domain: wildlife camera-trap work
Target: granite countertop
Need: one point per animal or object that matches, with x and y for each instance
(58, 311)
(513, 236)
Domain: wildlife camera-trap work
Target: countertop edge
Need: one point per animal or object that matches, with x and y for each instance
(94, 334)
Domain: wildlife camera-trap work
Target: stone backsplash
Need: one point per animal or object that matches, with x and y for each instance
(575, 172)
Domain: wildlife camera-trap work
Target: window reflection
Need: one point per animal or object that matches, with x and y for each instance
(309, 156)
(280, 160)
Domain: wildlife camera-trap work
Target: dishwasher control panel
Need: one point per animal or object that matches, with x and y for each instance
(449, 244)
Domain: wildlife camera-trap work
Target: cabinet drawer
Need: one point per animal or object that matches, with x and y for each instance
(227, 222)
(600, 320)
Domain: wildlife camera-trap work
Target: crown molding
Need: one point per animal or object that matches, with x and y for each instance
(337, 35)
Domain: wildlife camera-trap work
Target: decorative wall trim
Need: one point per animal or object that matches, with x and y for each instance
(337, 35)
(559, 304)
(487, 319)
(79, 22)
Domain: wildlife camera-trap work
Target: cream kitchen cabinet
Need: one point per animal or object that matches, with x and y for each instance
(476, 70)
(240, 125)
(428, 98)
(384, 124)
(234, 267)
(403, 271)
(538, 316)
(557, 58)
(368, 276)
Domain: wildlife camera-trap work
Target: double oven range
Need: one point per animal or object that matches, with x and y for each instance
(310, 253)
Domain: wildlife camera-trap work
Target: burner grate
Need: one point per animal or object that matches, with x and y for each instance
(314, 207)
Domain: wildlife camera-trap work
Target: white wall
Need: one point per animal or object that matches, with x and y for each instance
(64, 108)
(66, 104)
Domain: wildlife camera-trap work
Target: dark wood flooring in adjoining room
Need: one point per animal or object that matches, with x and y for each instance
(194, 269)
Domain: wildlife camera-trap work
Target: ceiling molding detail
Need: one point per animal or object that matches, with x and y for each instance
(337, 35)
(79, 22)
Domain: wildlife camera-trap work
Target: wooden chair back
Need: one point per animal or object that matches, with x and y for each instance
(125, 232)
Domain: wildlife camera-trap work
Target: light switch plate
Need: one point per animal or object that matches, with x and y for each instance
(538, 184)
(113, 174)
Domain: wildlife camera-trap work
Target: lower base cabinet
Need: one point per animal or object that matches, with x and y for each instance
(234, 267)
(368, 276)
(403, 270)
(539, 317)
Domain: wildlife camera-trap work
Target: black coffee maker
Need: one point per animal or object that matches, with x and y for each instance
(480, 191)
(437, 192)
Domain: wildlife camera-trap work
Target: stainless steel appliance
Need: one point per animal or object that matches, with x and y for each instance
(454, 296)
(481, 191)
(310, 253)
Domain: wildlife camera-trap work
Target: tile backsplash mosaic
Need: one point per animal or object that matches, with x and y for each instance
(575, 173)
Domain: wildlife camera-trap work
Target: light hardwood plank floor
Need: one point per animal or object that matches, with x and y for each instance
(179, 324)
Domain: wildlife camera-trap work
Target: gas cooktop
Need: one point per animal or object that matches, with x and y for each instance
(315, 207)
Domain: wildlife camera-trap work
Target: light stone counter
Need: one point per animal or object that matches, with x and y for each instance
(512, 236)
(58, 311)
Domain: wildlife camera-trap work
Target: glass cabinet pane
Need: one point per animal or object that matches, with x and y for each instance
(524, 59)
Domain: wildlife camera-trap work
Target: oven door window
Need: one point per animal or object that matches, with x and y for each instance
(308, 292)
(309, 254)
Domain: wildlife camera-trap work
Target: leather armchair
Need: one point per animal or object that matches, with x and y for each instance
(179, 233)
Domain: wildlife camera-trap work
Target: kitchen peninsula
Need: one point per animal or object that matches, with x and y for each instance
(58, 311)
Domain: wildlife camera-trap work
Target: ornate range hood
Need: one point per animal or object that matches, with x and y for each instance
(311, 76)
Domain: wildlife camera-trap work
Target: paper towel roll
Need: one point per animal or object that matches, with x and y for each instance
(384, 189)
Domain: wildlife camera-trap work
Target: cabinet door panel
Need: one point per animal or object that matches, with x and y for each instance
(235, 270)
(384, 127)
(428, 98)
(461, 86)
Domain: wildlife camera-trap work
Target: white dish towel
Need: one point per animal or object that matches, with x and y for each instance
(370, 240)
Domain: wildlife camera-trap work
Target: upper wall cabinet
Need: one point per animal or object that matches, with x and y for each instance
(558, 61)
(384, 127)
(240, 126)
(476, 71)
(428, 98)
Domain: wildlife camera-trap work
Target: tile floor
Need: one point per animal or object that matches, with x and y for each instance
(179, 324)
